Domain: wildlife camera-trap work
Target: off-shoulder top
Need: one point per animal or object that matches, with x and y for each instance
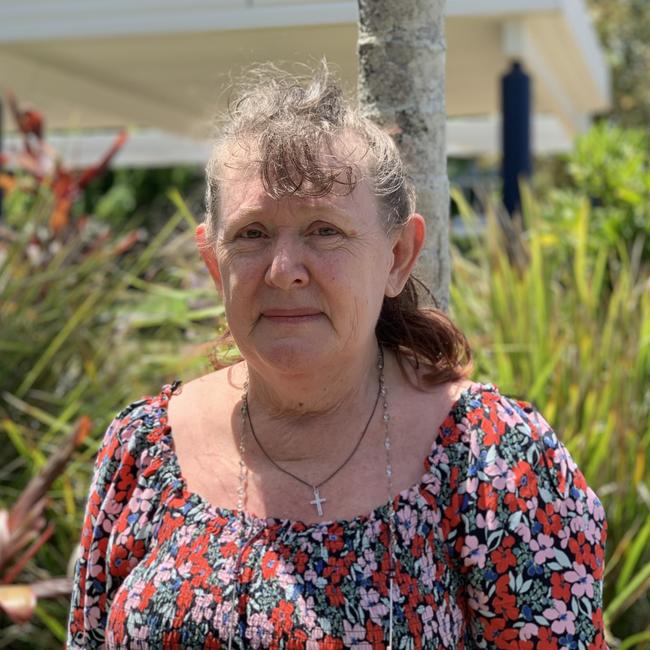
(499, 545)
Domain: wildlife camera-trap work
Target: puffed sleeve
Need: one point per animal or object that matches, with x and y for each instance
(116, 525)
(530, 542)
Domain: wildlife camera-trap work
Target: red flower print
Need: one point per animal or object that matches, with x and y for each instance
(525, 479)
(269, 564)
(334, 539)
(334, 596)
(336, 570)
(281, 617)
(499, 635)
(487, 497)
(300, 560)
(560, 588)
(503, 557)
(504, 602)
(494, 430)
(297, 641)
(374, 633)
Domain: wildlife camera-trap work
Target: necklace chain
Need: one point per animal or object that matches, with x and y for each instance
(382, 393)
(315, 487)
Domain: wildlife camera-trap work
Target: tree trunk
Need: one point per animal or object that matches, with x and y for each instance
(401, 52)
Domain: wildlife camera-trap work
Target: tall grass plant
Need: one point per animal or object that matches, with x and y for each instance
(562, 319)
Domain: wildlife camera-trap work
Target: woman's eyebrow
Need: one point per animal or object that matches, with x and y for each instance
(317, 210)
(246, 213)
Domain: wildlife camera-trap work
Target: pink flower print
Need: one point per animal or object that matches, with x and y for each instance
(222, 617)
(581, 582)
(471, 485)
(499, 473)
(439, 456)
(528, 631)
(543, 547)
(367, 563)
(506, 413)
(144, 500)
(308, 618)
(352, 633)
(259, 630)
(134, 595)
(592, 534)
(186, 534)
(564, 536)
(370, 602)
(165, 571)
(511, 481)
(477, 600)
(564, 507)
(201, 608)
(140, 633)
(406, 522)
(577, 524)
(429, 626)
(524, 532)
(443, 615)
(594, 506)
(563, 620)
(311, 576)
(427, 571)
(227, 571)
(473, 552)
(93, 615)
(112, 507)
(488, 522)
(531, 506)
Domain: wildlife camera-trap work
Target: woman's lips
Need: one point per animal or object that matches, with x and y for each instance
(291, 316)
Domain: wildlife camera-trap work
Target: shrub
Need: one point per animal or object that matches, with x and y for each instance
(91, 318)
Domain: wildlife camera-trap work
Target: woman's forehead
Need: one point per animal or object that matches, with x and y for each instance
(246, 193)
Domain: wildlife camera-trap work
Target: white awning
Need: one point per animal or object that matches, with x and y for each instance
(161, 67)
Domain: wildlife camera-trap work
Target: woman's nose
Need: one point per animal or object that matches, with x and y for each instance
(287, 269)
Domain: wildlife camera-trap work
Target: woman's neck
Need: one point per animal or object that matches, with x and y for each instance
(298, 417)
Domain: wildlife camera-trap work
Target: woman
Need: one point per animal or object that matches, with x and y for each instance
(344, 485)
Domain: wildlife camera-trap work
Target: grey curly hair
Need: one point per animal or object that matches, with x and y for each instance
(294, 130)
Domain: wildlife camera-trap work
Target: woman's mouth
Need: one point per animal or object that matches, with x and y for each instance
(291, 316)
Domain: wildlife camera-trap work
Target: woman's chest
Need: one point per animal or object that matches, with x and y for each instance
(290, 586)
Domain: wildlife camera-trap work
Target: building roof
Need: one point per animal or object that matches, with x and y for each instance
(161, 67)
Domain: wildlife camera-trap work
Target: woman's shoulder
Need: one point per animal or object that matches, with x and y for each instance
(137, 427)
(506, 443)
(482, 415)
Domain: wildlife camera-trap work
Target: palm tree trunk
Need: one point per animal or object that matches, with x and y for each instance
(401, 52)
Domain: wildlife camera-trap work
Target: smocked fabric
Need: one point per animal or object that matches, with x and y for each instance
(500, 545)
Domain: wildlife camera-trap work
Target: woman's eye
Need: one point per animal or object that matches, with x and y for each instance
(251, 233)
(326, 231)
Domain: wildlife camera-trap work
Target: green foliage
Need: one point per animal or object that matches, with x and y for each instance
(560, 316)
(125, 195)
(610, 168)
(90, 321)
(624, 31)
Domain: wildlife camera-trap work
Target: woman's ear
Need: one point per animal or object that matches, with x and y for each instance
(406, 248)
(207, 254)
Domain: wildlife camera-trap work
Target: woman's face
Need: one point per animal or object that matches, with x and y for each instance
(303, 279)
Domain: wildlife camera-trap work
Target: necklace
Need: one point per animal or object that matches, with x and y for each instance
(318, 500)
(382, 393)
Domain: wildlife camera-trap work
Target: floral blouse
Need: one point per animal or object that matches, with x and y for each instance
(500, 545)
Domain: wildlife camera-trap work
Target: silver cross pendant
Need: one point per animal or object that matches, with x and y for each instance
(317, 501)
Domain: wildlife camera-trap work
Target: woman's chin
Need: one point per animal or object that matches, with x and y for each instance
(292, 356)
